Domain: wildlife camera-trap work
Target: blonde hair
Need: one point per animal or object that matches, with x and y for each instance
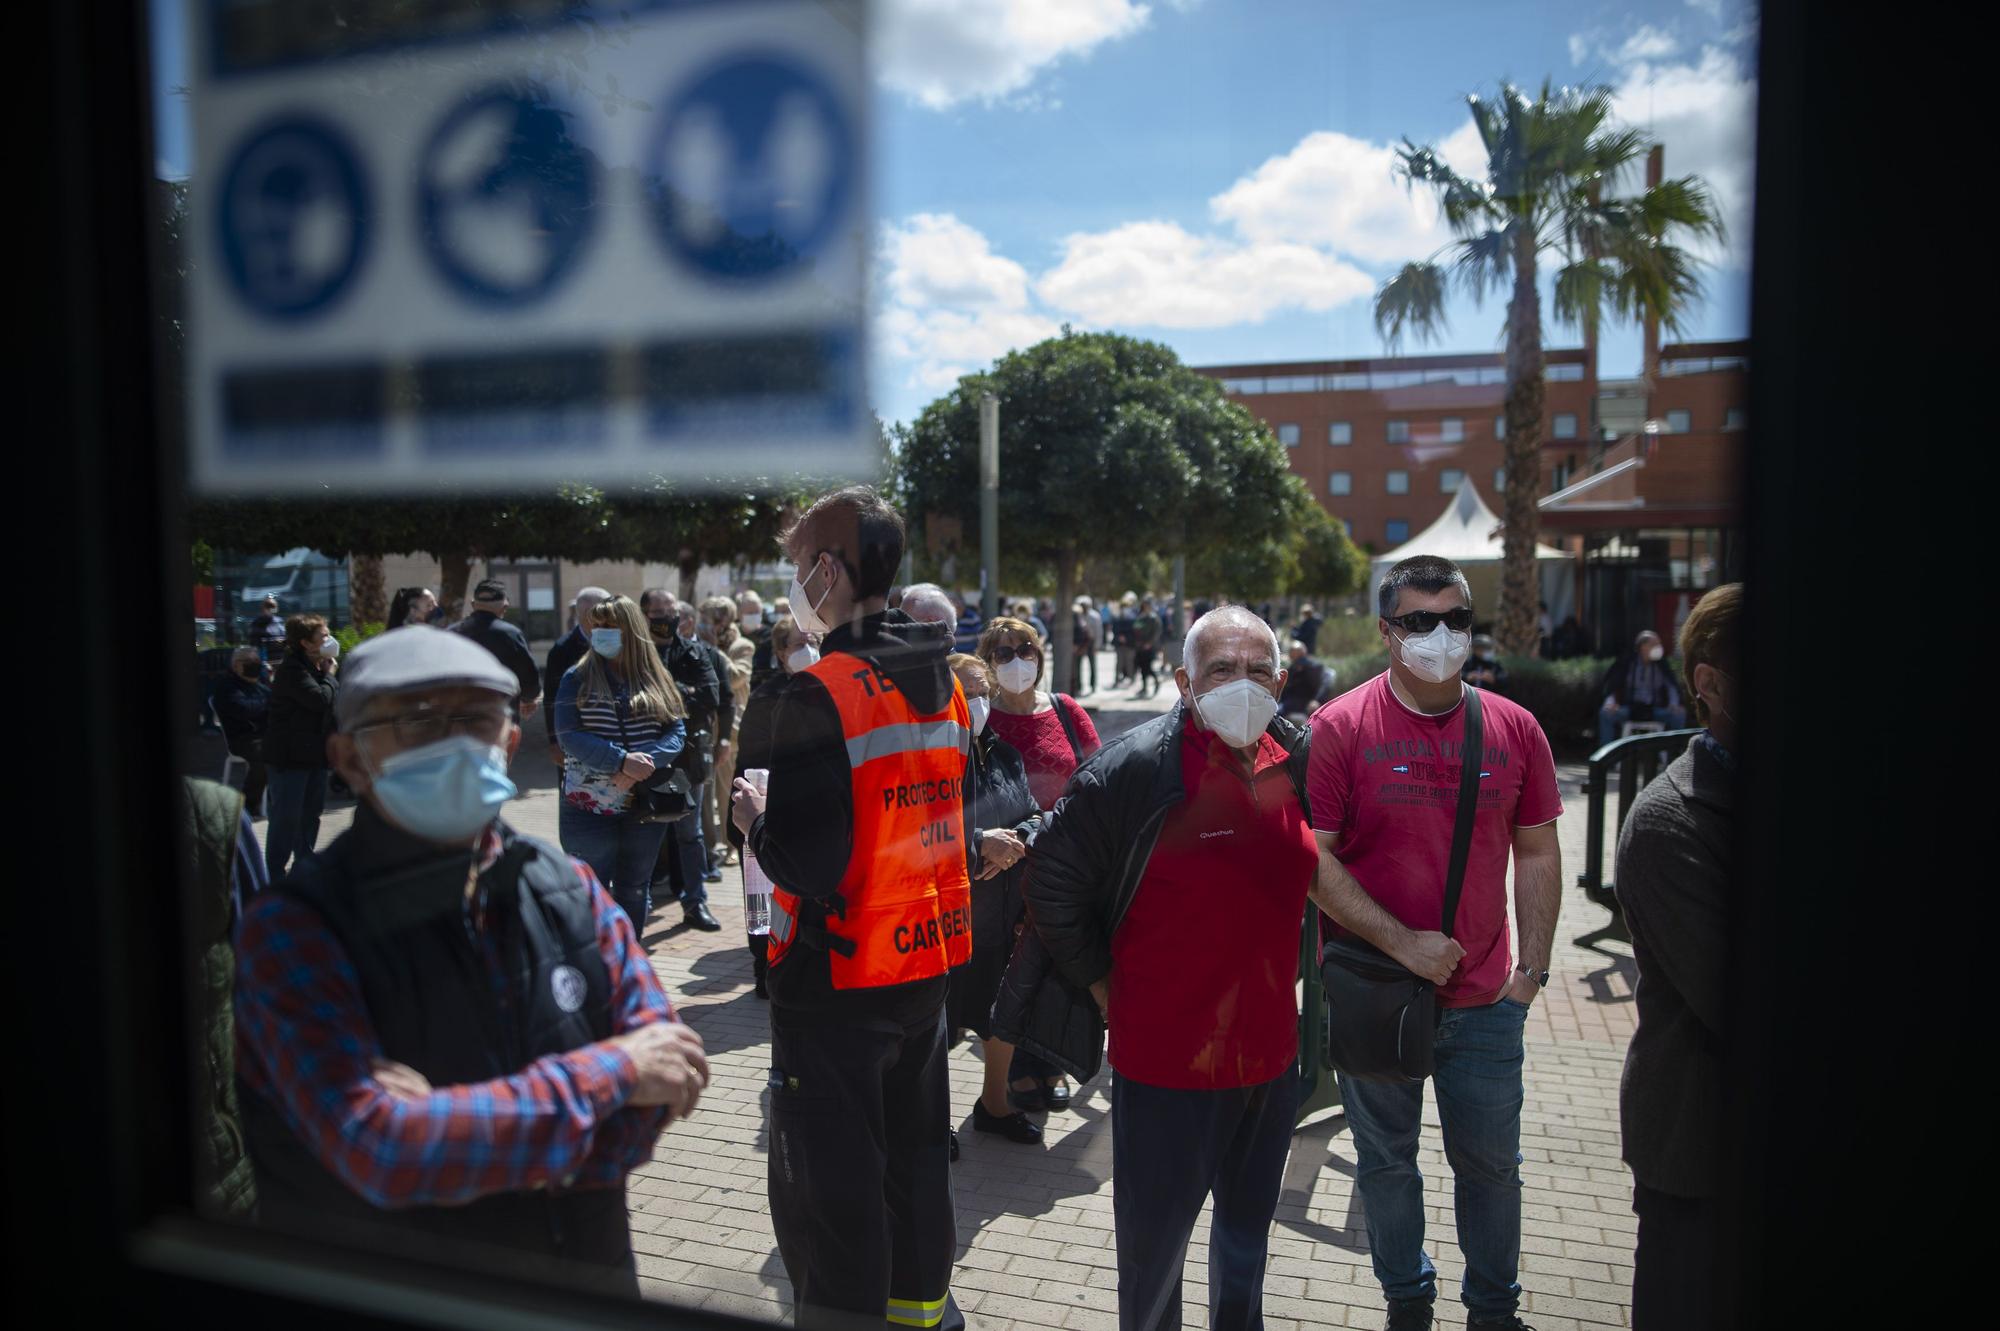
(977, 665)
(784, 629)
(651, 688)
(1708, 637)
(1001, 625)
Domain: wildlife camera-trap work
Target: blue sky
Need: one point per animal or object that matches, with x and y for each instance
(1213, 173)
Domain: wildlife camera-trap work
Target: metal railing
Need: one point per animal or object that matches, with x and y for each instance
(1638, 760)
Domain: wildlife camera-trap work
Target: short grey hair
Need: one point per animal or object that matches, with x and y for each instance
(588, 596)
(928, 603)
(1226, 616)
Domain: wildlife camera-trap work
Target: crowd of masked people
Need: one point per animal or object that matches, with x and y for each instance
(442, 1030)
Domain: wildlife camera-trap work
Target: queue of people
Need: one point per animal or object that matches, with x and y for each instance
(951, 851)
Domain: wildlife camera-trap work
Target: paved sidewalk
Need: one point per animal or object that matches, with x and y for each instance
(1035, 1224)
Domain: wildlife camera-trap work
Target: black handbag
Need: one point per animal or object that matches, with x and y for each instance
(1381, 1020)
(667, 796)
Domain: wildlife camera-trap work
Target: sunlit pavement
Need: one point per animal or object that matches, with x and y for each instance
(1035, 1223)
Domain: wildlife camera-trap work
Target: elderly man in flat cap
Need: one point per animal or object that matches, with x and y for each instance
(449, 1038)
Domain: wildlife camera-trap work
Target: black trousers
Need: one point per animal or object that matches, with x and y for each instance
(1674, 1276)
(860, 1173)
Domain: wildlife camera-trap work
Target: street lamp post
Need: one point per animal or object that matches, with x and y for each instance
(989, 505)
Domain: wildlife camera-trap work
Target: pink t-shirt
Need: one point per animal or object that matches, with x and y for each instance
(1384, 778)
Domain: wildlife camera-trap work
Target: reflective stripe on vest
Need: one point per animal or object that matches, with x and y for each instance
(915, 1312)
(905, 899)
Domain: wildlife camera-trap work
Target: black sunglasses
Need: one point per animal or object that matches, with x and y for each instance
(1423, 621)
(1002, 655)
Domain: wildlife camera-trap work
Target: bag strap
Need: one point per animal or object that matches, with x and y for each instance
(1069, 726)
(1471, 754)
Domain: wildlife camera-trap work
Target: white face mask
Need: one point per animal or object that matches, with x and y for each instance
(805, 612)
(1655, 652)
(1017, 675)
(981, 708)
(1438, 656)
(800, 658)
(1237, 712)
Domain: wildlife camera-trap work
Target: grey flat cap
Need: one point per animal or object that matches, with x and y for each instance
(417, 657)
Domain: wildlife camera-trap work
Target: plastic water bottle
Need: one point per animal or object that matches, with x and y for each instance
(756, 887)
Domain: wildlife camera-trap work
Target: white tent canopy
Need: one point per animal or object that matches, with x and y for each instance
(1467, 533)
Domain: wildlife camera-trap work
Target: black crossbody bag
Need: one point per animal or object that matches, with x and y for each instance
(667, 796)
(1381, 1022)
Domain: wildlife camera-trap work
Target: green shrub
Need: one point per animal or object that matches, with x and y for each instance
(1562, 695)
(1344, 635)
(355, 634)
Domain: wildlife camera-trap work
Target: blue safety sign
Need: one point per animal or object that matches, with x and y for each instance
(752, 165)
(292, 217)
(507, 195)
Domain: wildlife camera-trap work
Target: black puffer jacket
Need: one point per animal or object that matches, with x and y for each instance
(1083, 872)
(301, 714)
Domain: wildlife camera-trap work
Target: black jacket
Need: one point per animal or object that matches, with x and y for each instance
(572, 647)
(509, 646)
(243, 706)
(301, 713)
(1304, 679)
(806, 834)
(694, 675)
(756, 739)
(1619, 681)
(1084, 870)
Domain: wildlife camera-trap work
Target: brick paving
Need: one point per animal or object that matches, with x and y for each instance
(1035, 1224)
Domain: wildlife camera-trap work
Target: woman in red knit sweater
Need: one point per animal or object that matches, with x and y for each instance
(1053, 734)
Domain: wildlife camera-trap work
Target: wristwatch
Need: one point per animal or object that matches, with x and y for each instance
(1540, 977)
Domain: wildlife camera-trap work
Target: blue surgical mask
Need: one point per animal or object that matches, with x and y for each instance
(607, 643)
(445, 791)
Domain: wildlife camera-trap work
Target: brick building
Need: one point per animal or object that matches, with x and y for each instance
(1384, 442)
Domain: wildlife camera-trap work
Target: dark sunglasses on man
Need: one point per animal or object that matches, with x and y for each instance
(1458, 620)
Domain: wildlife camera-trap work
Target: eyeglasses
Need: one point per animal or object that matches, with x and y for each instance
(1423, 621)
(1002, 655)
(418, 728)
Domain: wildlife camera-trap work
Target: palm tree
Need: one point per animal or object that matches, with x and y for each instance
(1549, 164)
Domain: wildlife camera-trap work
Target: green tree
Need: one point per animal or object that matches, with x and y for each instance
(1549, 164)
(690, 531)
(1110, 449)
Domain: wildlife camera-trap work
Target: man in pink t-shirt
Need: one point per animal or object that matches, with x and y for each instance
(1383, 787)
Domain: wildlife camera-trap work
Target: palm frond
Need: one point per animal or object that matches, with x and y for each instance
(1412, 300)
(1486, 262)
(1581, 289)
(1465, 202)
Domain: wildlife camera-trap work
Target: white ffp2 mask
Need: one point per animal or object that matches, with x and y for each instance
(1437, 656)
(1017, 675)
(1237, 712)
(981, 708)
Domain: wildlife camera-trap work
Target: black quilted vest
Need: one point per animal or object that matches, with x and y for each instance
(396, 907)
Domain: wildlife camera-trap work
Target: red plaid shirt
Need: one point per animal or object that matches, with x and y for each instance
(305, 1043)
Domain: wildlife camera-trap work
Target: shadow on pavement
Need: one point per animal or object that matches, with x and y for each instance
(1312, 1151)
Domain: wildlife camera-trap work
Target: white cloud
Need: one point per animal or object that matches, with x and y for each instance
(1712, 8)
(1648, 43)
(1705, 116)
(1579, 48)
(943, 52)
(950, 304)
(1337, 192)
(1156, 273)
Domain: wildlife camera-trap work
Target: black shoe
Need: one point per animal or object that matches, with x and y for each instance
(762, 992)
(698, 916)
(1032, 1101)
(712, 876)
(954, 1143)
(1408, 1315)
(1056, 1097)
(1512, 1322)
(1014, 1127)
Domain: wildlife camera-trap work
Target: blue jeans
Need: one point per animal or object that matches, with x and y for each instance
(687, 857)
(1479, 1096)
(294, 798)
(621, 851)
(1611, 722)
(1169, 1150)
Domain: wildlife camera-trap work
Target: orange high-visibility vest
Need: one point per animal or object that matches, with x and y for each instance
(905, 903)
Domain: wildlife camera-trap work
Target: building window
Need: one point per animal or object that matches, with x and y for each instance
(1565, 425)
(1399, 482)
(1451, 430)
(1732, 419)
(1288, 435)
(1347, 527)
(1499, 427)
(1499, 480)
(1568, 372)
(1340, 432)
(1395, 531)
(1340, 483)
(1449, 480)
(1399, 432)
(1679, 422)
